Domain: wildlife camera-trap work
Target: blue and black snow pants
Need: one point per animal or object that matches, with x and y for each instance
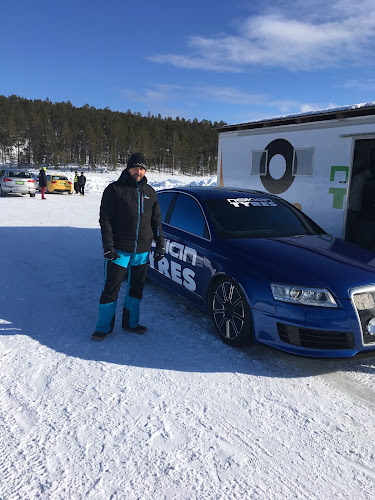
(114, 273)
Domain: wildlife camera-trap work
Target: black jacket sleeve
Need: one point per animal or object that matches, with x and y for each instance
(107, 214)
(156, 223)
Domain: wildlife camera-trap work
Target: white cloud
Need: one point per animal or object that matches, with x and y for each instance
(368, 84)
(228, 95)
(169, 98)
(158, 93)
(343, 32)
(187, 62)
(306, 108)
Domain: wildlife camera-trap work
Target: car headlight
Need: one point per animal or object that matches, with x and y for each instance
(301, 295)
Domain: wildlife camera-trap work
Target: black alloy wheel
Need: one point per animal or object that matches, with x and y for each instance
(231, 313)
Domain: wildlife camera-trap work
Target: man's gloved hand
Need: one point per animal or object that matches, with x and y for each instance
(111, 254)
(159, 252)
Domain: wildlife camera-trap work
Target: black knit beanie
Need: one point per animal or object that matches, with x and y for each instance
(137, 160)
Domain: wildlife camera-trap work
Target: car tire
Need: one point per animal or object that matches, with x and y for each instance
(2, 193)
(231, 313)
(32, 195)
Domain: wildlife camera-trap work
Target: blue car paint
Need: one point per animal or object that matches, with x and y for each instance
(284, 261)
(208, 265)
(314, 261)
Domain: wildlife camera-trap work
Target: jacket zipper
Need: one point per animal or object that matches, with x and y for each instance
(139, 220)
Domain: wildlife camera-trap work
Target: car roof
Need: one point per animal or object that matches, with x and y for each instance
(7, 170)
(17, 170)
(216, 192)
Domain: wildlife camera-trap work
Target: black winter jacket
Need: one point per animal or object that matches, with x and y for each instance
(130, 216)
(42, 178)
(81, 180)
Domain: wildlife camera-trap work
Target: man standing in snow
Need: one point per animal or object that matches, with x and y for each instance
(75, 182)
(43, 181)
(81, 184)
(130, 219)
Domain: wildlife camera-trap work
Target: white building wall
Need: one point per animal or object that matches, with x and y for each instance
(318, 195)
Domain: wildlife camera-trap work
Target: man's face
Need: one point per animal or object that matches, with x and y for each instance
(137, 173)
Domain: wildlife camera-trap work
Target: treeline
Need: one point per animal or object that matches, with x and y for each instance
(41, 132)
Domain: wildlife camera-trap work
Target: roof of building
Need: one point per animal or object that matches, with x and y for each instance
(340, 112)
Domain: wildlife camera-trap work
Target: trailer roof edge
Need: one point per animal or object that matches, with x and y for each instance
(322, 115)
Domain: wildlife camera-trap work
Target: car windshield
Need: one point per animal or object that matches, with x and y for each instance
(58, 178)
(259, 217)
(22, 175)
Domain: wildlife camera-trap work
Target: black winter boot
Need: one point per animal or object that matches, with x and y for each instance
(101, 335)
(126, 326)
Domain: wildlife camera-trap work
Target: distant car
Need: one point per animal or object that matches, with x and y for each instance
(59, 184)
(266, 272)
(16, 182)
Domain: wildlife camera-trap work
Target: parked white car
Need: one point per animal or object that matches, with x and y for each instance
(36, 179)
(16, 182)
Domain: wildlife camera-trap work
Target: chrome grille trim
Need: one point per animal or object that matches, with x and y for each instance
(363, 314)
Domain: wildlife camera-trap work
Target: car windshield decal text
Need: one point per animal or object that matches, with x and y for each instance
(251, 202)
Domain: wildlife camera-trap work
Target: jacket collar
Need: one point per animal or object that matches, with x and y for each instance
(126, 179)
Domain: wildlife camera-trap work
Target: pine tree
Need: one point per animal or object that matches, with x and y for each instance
(59, 133)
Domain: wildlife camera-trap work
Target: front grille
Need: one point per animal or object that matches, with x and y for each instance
(363, 300)
(315, 339)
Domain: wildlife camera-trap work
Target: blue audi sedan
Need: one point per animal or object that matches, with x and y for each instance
(266, 272)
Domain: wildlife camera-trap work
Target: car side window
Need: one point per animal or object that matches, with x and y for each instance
(187, 215)
(164, 203)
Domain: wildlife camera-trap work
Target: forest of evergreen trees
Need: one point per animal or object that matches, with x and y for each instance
(41, 132)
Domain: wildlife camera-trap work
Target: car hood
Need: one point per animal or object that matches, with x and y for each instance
(309, 261)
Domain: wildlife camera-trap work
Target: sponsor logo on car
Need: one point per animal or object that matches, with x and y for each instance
(174, 270)
(251, 202)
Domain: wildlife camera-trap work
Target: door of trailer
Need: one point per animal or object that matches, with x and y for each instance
(360, 222)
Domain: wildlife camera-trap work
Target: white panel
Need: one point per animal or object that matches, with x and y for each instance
(315, 194)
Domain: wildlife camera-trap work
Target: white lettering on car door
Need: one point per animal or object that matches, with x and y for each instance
(173, 270)
(176, 272)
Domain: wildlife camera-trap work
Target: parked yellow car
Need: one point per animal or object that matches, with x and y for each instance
(59, 184)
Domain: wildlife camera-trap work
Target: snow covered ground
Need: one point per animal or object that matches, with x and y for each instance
(173, 414)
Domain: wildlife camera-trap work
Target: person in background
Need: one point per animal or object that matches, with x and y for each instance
(43, 181)
(81, 184)
(75, 182)
(130, 218)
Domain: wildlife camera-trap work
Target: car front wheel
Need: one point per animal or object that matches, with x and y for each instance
(231, 313)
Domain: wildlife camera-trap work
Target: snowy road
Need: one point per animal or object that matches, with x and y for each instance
(174, 414)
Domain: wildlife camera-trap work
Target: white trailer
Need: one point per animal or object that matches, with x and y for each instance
(309, 160)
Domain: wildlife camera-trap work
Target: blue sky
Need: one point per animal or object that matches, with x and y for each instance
(234, 61)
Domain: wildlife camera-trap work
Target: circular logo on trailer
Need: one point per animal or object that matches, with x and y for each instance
(281, 183)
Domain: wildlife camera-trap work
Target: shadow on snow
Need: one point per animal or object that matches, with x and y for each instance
(51, 280)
